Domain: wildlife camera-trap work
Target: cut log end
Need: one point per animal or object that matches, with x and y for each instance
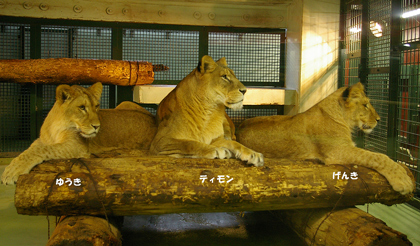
(85, 230)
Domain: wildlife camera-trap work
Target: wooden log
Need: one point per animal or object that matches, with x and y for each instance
(158, 185)
(76, 71)
(346, 226)
(85, 230)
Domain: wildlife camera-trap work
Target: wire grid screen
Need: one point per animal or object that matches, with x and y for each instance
(409, 98)
(410, 29)
(379, 35)
(237, 116)
(353, 41)
(14, 98)
(177, 50)
(378, 84)
(254, 57)
(74, 42)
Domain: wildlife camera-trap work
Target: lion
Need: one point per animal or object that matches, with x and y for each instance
(324, 132)
(192, 122)
(75, 127)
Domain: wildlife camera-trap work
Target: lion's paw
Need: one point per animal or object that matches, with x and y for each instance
(222, 153)
(217, 153)
(12, 172)
(254, 158)
(401, 182)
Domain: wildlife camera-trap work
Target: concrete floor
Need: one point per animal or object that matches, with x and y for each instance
(222, 229)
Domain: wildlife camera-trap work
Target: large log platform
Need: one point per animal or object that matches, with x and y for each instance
(346, 226)
(128, 185)
(77, 71)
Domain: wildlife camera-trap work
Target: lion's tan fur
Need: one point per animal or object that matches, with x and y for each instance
(192, 118)
(75, 127)
(324, 132)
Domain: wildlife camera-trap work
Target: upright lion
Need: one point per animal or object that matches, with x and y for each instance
(76, 127)
(192, 119)
(324, 132)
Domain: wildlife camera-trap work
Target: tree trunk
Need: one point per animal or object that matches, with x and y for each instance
(157, 185)
(76, 71)
(85, 230)
(346, 226)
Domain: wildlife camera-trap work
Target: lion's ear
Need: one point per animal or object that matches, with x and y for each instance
(206, 64)
(222, 62)
(96, 90)
(62, 93)
(355, 91)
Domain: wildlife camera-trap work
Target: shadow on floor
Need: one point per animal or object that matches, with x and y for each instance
(250, 228)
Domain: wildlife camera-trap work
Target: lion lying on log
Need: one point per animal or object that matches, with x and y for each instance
(192, 118)
(76, 127)
(324, 133)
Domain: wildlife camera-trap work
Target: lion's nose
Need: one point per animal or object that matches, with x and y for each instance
(378, 119)
(242, 91)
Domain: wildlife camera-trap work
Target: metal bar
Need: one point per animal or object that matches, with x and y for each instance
(70, 42)
(203, 42)
(124, 93)
(379, 70)
(363, 72)
(394, 77)
(22, 42)
(282, 60)
(342, 43)
(36, 90)
(359, 137)
(66, 22)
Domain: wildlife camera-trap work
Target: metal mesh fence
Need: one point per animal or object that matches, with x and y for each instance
(74, 42)
(175, 49)
(237, 116)
(378, 82)
(409, 96)
(14, 98)
(255, 57)
(379, 72)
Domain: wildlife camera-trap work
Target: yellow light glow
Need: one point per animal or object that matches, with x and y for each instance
(376, 29)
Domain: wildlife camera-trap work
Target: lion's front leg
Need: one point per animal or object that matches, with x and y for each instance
(182, 148)
(241, 152)
(395, 174)
(36, 154)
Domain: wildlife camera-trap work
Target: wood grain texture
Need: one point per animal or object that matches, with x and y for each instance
(346, 226)
(85, 230)
(76, 71)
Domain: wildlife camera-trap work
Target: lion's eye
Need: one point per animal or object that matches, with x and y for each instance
(97, 106)
(366, 106)
(225, 77)
(82, 107)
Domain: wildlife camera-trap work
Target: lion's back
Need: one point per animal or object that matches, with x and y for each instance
(125, 128)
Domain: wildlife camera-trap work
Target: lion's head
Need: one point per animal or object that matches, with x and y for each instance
(222, 84)
(359, 111)
(78, 108)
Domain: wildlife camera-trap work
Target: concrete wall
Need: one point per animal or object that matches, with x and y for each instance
(319, 61)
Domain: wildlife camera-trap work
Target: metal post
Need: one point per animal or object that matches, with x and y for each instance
(203, 43)
(394, 76)
(36, 90)
(123, 93)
